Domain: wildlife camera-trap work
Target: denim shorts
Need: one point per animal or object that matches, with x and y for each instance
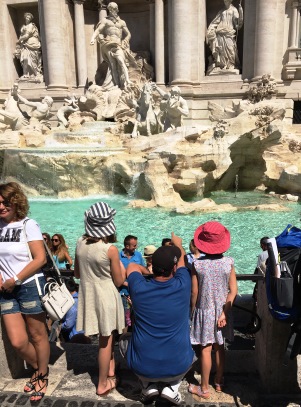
(24, 298)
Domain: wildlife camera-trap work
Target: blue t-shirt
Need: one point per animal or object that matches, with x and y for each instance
(160, 344)
(136, 258)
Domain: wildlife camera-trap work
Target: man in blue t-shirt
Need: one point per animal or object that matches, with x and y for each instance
(160, 349)
(128, 255)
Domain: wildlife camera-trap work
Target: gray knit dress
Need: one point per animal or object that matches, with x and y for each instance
(100, 309)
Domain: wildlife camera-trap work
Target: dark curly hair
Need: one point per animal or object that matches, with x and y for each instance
(13, 193)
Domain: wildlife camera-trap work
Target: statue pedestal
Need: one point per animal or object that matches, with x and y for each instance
(218, 71)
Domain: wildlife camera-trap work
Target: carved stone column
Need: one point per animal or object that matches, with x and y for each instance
(182, 14)
(102, 14)
(53, 41)
(249, 28)
(6, 78)
(152, 32)
(294, 25)
(159, 42)
(265, 42)
(80, 43)
(292, 67)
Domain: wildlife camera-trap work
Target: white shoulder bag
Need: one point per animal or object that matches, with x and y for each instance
(56, 299)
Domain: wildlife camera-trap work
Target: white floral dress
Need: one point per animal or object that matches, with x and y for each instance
(213, 280)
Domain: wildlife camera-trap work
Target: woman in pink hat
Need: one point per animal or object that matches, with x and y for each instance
(214, 289)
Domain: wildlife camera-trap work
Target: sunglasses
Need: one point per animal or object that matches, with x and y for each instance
(55, 240)
(7, 204)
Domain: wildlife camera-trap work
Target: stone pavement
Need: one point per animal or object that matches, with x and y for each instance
(73, 378)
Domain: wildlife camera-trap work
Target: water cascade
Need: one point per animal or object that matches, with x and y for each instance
(236, 185)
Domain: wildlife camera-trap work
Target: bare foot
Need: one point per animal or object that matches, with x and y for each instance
(104, 390)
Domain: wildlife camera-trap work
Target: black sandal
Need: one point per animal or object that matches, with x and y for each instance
(31, 383)
(40, 394)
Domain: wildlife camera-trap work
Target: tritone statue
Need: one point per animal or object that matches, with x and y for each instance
(146, 122)
(172, 107)
(11, 114)
(28, 50)
(222, 37)
(114, 38)
(40, 110)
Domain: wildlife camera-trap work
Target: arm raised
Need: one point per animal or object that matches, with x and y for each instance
(118, 273)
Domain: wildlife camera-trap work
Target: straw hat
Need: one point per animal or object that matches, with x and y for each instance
(149, 250)
(212, 238)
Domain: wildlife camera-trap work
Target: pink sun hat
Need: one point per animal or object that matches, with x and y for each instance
(212, 238)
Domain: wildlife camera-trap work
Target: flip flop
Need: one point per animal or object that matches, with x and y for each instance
(196, 390)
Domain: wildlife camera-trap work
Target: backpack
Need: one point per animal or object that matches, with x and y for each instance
(284, 293)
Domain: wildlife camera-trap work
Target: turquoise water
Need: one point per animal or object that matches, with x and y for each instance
(151, 225)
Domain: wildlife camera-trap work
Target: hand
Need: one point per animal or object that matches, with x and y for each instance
(222, 321)
(92, 42)
(125, 44)
(8, 286)
(176, 240)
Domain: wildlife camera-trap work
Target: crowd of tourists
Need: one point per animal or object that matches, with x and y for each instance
(160, 304)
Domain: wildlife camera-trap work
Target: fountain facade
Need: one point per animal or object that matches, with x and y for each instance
(164, 124)
(222, 110)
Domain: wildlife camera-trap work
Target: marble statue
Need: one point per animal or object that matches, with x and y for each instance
(11, 115)
(172, 107)
(28, 50)
(222, 37)
(220, 129)
(146, 120)
(64, 111)
(114, 37)
(265, 88)
(40, 110)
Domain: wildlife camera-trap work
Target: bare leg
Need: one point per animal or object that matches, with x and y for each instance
(37, 329)
(38, 332)
(220, 362)
(105, 363)
(206, 364)
(112, 360)
(17, 334)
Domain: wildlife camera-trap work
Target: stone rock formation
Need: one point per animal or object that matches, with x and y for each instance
(170, 169)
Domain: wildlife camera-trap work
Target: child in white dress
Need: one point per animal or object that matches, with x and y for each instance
(214, 289)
